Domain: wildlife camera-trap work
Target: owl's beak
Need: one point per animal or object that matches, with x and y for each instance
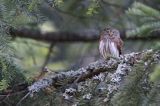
(110, 33)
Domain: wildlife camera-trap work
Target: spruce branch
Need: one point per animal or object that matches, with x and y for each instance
(135, 85)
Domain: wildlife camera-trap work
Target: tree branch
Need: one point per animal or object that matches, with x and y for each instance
(89, 36)
(54, 36)
(119, 69)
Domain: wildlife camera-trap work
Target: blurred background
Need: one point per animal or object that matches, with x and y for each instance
(64, 35)
(31, 22)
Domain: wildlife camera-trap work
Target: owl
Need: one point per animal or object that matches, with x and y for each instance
(110, 44)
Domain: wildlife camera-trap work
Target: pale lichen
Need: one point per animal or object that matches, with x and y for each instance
(116, 78)
(69, 93)
(87, 96)
(99, 77)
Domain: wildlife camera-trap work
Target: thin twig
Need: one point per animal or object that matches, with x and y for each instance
(18, 104)
(48, 55)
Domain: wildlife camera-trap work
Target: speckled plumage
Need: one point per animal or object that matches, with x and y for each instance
(110, 43)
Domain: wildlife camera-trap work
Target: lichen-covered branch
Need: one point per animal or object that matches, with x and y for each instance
(116, 69)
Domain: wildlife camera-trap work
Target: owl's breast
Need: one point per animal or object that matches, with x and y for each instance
(104, 48)
(108, 48)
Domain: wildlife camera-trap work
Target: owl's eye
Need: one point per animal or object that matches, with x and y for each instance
(114, 33)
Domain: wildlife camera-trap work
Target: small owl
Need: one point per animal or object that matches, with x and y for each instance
(110, 44)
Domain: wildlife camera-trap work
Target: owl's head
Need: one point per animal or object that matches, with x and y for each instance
(111, 32)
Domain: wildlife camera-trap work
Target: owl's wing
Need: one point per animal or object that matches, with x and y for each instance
(119, 44)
